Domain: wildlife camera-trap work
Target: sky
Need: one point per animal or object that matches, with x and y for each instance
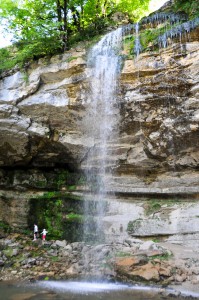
(156, 4)
(5, 38)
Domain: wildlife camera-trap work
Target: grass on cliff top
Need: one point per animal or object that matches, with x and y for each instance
(13, 56)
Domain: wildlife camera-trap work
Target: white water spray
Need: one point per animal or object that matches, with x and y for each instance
(101, 126)
(137, 47)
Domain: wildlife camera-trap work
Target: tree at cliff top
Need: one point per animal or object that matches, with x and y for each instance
(47, 27)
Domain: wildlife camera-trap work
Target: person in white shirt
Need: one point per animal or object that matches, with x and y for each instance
(44, 232)
(35, 231)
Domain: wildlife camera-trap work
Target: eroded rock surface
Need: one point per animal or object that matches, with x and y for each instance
(131, 260)
(39, 113)
(159, 126)
(43, 112)
(42, 121)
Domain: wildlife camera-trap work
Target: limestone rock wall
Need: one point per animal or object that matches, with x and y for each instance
(42, 112)
(40, 136)
(14, 210)
(158, 143)
(40, 108)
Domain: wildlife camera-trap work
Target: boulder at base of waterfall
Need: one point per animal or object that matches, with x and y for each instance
(127, 264)
(137, 269)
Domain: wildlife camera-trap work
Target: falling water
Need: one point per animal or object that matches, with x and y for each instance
(175, 25)
(162, 17)
(177, 31)
(104, 63)
(137, 47)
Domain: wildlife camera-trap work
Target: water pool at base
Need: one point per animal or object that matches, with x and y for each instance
(81, 290)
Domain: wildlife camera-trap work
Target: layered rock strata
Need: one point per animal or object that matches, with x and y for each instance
(42, 121)
(158, 144)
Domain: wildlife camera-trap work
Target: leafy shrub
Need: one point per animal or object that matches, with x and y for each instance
(191, 7)
(75, 217)
(6, 59)
(133, 226)
(5, 227)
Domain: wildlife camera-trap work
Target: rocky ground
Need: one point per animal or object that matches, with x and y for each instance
(166, 264)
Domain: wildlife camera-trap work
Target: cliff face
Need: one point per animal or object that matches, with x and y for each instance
(39, 113)
(42, 113)
(159, 126)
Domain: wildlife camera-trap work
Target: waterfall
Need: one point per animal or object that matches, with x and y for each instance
(174, 24)
(137, 47)
(163, 17)
(177, 31)
(101, 120)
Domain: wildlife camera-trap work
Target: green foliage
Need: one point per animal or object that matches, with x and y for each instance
(149, 37)
(55, 258)
(190, 7)
(156, 240)
(39, 47)
(46, 278)
(75, 217)
(47, 214)
(27, 232)
(53, 195)
(23, 52)
(135, 9)
(152, 207)
(8, 252)
(71, 58)
(72, 187)
(133, 226)
(49, 195)
(26, 79)
(60, 212)
(163, 256)
(5, 226)
(123, 254)
(64, 179)
(43, 28)
(6, 59)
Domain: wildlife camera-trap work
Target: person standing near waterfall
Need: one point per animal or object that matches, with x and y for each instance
(44, 232)
(35, 232)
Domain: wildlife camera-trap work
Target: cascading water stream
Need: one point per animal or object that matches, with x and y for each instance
(104, 63)
(137, 47)
(177, 31)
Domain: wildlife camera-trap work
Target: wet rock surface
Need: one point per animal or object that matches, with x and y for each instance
(42, 130)
(132, 260)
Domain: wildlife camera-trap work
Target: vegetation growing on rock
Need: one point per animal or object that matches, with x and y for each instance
(191, 7)
(36, 25)
(160, 153)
